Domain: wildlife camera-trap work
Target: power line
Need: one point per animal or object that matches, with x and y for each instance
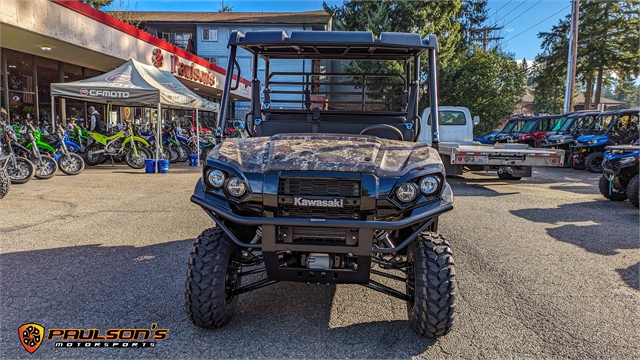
(502, 7)
(547, 18)
(512, 10)
(512, 20)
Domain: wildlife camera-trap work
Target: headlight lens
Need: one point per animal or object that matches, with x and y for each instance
(406, 192)
(236, 187)
(593, 141)
(429, 185)
(216, 178)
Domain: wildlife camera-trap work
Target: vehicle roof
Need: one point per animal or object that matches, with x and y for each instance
(584, 113)
(353, 45)
(620, 112)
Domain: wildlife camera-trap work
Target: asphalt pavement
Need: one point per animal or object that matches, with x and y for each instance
(546, 268)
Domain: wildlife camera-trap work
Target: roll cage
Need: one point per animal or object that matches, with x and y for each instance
(398, 107)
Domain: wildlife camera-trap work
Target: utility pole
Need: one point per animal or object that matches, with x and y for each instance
(485, 32)
(573, 57)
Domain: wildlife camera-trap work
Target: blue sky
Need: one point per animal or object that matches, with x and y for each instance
(522, 19)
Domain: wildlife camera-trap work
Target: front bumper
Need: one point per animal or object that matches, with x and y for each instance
(271, 247)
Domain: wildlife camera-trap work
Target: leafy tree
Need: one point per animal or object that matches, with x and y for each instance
(98, 4)
(473, 13)
(624, 90)
(489, 83)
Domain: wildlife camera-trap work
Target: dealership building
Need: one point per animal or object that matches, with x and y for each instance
(54, 41)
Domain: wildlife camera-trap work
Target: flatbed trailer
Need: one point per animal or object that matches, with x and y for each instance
(508, 160)
(459, 153)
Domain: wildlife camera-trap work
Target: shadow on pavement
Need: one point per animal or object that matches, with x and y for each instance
(596, 239)
(615, 228)
(105, 287)
(576, 189)
(631, 275)
(470, 187)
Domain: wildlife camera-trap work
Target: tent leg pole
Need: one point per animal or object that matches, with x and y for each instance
(158, 133)
(53, 112)
(198, 137)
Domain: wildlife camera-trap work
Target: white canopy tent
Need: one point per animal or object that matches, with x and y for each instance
(135, 84)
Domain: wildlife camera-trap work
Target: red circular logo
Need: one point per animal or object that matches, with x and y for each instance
(84, 92)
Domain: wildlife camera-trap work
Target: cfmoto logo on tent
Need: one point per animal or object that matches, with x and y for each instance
(105, 93)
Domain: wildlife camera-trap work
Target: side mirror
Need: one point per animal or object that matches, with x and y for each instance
(476, 120)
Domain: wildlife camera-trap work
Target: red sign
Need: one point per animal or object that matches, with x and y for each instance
(189, 71)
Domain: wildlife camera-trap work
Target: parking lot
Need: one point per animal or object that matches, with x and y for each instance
(546, 268)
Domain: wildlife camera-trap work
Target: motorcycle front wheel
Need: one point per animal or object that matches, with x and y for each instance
(72, 164)
(20, 172)
(136, 162)
(46, 167)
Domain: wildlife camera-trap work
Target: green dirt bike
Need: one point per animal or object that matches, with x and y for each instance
(46, 166)
(80, 136)
(124, 144)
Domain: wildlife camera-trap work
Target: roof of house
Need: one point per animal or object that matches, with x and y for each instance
(309, 17)
(603, 100)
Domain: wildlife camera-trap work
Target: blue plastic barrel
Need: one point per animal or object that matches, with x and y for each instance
(163, 166)
(150, 166)
(193, 160)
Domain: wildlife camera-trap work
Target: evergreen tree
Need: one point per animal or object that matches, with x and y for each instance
(608, 38)
(98, 4)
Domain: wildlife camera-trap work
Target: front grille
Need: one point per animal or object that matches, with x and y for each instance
(315, 235)
(319, 187)
(345, 213)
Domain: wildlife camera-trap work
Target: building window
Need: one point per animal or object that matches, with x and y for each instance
(214, 61)
(209, 34)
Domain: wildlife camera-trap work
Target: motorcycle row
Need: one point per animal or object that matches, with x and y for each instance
(28, 152)
(601, 142)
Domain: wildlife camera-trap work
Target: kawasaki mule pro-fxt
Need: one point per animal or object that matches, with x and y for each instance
(331, 185)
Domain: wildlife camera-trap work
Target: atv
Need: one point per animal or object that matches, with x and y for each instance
(620, 169)
(619, 127)
(569, 128)
(330, 186)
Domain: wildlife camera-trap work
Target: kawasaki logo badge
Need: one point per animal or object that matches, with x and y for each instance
(335, 203)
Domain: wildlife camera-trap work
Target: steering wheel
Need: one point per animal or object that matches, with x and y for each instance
(390, 128)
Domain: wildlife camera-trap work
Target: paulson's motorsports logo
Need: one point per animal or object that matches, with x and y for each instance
(31, 336)
(334, 203)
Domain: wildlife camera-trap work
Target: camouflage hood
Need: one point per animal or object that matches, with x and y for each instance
(326, 152)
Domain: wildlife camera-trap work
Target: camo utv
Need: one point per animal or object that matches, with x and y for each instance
(331, 186)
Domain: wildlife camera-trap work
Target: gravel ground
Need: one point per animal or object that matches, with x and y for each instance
(546, 268)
